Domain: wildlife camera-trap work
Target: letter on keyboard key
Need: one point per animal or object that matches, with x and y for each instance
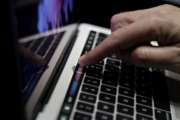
(144, 110)
(92, 81)
(126, 92)
(81, 116)
(105, 107)
(85, 107)
(87, 98)
(112, 62)
(125, 110)
(103, 116)
(89, 89)
(113, 69)
(127, 83)
(107, 98)
(94, 71)
(125, 100)
(110, 90)
(144, 101)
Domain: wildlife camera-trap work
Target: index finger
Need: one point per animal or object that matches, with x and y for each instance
(121, 40)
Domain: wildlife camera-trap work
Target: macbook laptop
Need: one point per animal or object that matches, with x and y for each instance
(111, 89)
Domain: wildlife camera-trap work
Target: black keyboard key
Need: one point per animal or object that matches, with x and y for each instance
(142, 117)
(113, 62)
(110, 75)
(89, 89)
(127, 69)
(105, 107)
(112, 69)
(127, 77)
(161, 115)
(126, 92)
(160, 91)
(145, 77)
(110, 78)
(102, 36)
(85, 107)
(92, 81)
(122, 117)
(81, 116)
(103, 116)
(125, 100)
(110, 90)
(87, 98)
(95, 68)
(107, 98)
(144, 110)
(110, 82)
(94, 71)
(147, 92)
(125, 110)
(144, 101)
(143, 74)
(141, 84)
(126, 83)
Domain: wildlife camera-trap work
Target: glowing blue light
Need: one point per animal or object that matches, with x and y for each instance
(50, 13)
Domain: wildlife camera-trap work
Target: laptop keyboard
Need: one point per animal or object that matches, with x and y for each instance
(115, 90)
(44, 47)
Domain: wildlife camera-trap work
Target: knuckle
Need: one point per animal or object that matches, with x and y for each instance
(165, 10)
(168, 6)
(156, 20)
(156, 25)
(114, 19)
(159, 26)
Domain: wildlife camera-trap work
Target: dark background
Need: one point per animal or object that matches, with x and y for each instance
(96, 12)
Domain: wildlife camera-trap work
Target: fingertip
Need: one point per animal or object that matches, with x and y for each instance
(82, 61)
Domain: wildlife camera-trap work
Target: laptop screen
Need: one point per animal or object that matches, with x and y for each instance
(51, 14)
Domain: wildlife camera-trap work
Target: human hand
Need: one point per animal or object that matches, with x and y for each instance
(133, 31)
